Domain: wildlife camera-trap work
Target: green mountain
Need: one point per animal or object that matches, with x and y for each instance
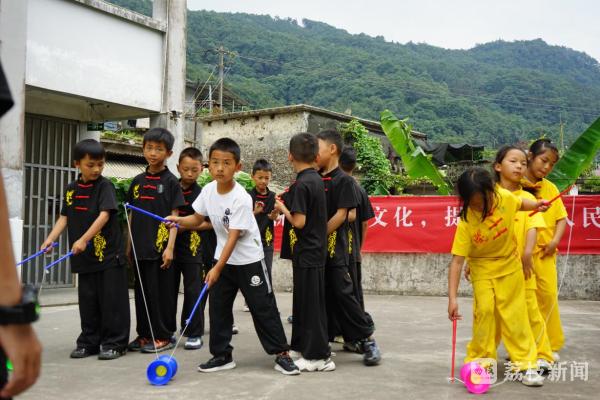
(493, 94)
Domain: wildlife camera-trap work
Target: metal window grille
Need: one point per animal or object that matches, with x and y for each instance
(48, 169)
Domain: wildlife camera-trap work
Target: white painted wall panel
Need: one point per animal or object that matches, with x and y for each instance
(79, 50)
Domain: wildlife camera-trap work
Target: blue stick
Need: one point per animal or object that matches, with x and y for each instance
(150, 214)
(39, 253)
(197, 302)
(69, 254)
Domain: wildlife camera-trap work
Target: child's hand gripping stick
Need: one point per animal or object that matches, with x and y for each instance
(69, 254)
(166, 221)
(39, 253)
(554, 199)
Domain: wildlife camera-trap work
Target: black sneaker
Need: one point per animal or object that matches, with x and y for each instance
(137, 343)
(111, 354)
(219, 363)
(372, 355)
(285, 364)
(81, 352)
(354, 347)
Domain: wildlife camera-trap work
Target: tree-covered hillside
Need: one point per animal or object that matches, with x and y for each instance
(495, 93)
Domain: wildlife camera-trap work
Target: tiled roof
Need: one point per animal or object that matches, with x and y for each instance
(122, 169)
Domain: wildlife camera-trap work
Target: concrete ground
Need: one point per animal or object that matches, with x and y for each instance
(413, 333)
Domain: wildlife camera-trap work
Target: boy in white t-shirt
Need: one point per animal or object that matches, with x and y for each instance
(240, 264)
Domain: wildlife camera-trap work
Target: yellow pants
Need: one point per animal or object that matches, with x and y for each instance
(538, 325)
(506, 295)
(547, 290)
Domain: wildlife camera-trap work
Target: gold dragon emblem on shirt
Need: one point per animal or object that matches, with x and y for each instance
(268, 236)
(331, 240)
(99, 246)
(70, 197)
(161, 237)
(293, 239)
(194, 243)
(349, 242)
(136, 191)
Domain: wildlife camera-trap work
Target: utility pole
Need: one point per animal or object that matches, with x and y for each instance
(221, 51)
(562, 137)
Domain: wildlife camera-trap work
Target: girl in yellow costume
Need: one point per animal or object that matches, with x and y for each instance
(510, 166)
(541, 158)
(485, 237)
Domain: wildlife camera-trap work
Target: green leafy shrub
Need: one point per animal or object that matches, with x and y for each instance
(370, 158)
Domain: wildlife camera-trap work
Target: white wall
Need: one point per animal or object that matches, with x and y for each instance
(13, 30)
(76, 49)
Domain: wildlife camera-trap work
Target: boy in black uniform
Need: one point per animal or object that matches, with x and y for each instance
(342, 304)
(286, 253)
(157, 191)
(90, 213)
(357, 232)
(240, 263)
(264, 212)
(307, 215)
(188, 250)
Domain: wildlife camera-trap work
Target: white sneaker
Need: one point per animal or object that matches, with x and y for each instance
(295, 354)
(556, 356)
(305, 365)
(246, 308)
(543, 365)
(193, 343)
(234, 330)
(531, 378)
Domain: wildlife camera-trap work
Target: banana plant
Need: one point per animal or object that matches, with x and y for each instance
(577, 158)
(416, 162)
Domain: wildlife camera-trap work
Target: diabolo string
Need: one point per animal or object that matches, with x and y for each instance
(140, 280)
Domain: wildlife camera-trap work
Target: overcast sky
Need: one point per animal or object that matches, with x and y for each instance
(453, 24)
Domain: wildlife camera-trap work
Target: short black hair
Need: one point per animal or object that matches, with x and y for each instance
(347, 160)
(159, 135)
(476, 180)
(192, 153)
(261, 165)
(332, 136)
(90, 148)
(304, 147)
(226, 145)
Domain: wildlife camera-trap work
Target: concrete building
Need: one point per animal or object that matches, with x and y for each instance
(70, 64)
(266, 133)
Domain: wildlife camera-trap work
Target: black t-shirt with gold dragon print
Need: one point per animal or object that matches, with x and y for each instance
(158, 194)
(82, 204)
(266, 226)
(188, 246)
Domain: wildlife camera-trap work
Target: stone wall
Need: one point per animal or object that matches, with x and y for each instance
(418, 274)
(265, 136)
